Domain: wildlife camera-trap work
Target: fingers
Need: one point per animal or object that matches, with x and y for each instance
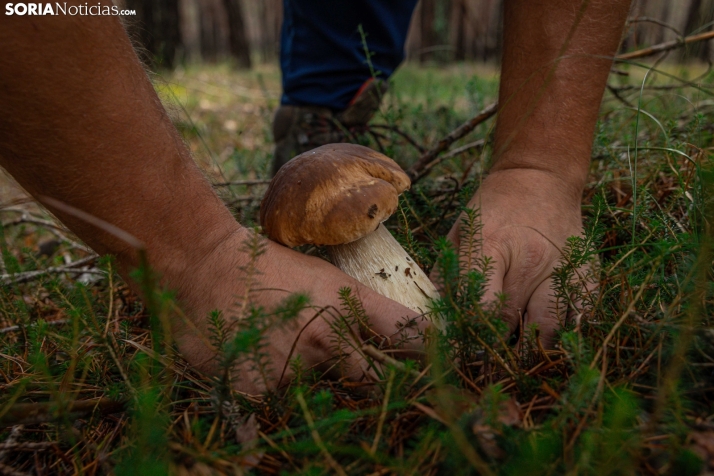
(354, 367)
(500, 284)
(541, 311)
(342, 335)
(391, 325)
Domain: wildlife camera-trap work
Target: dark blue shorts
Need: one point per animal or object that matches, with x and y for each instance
(322, 55)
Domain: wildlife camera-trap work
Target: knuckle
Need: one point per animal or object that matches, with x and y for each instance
(317, 337)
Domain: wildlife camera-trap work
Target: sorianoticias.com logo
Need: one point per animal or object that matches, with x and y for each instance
(58, 8)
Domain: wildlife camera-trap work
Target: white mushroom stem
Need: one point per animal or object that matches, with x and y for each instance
(378, 261)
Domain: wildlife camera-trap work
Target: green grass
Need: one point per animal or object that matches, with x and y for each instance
(628, 390)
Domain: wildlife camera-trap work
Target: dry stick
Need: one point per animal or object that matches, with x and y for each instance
(52, 227)
(656, 22)
(416, 171)
(666, 46)
(423, 164)
(18, 278)
(27, 445)
(10, 471)
(57, 322)
(32, 413)
(383, 358)
(400, 132)
(10, 442)
(625, 315)
(478, 144)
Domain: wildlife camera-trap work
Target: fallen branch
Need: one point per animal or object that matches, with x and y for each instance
(428, 160)
(10, 471)
(42, 412)
(451, 154)
(26, 445)
(17, 278)
(54, 228)
(656, 22)
(400, 132)
(385, 359)
(666, 46)
(57, 322)
(417, 170)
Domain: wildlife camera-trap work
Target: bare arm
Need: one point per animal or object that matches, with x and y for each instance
(556, 60)
(555, 65)
(82, 124)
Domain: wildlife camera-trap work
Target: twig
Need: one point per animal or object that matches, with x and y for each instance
(18, 278)
(10, 442)
(478, 144)
(661, 87)
(26, 445)
(425, 162)
(54, 228)
(656, 22)
(377, 139)
(33, 413)
(406, 136)
(666, 46)
(417, 169)
(615, 92)
(10, 471)
(383, 358)
(58, 322)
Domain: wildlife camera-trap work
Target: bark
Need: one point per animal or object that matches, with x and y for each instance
(458, 26)
(237, 37)
(428, 38)
(156, 29)
(701, 13)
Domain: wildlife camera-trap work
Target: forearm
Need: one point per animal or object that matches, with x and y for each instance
(82, 124)
(556, 60)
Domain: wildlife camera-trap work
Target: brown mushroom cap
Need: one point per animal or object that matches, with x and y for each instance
(331, 195)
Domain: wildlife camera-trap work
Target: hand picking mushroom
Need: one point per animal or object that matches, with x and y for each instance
(338, 195)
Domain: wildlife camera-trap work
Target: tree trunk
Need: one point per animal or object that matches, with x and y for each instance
(156, 28)
(428, 37)
(701, 13)
(237, 38)
(458, 26)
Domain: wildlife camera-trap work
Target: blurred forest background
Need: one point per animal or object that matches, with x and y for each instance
(174, 32)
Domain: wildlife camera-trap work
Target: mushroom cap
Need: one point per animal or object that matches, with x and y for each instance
(331, 195)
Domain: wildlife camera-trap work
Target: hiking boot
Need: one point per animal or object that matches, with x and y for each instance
(297, 129)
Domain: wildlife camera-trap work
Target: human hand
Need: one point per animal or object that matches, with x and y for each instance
(527, 216)
(221, 284)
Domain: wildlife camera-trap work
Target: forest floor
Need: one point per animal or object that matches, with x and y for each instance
(85, 388)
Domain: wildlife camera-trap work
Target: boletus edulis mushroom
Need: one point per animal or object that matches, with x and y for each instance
(338, 195)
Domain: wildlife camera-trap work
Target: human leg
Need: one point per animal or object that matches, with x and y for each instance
(329, 84)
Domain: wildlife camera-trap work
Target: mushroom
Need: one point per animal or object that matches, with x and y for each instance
(338, 195)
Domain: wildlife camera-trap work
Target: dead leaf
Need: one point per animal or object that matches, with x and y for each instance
(702, 443)
(247, 436)
(487, 432)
